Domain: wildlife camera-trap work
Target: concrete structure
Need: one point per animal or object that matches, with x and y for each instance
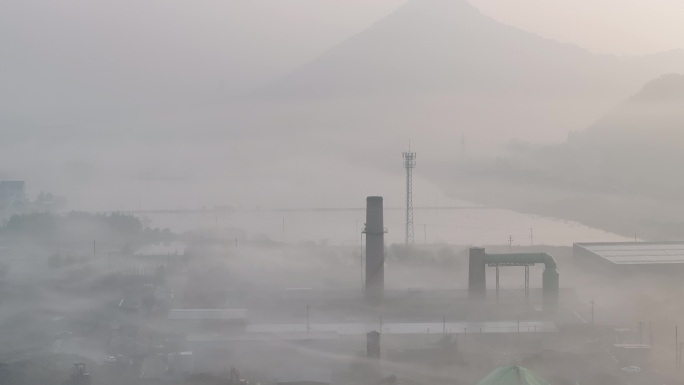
(477, 279)
(375, 250)
(404, 328)
(632, 256)
(230, 315)
(373, 345)
(206, 320)
(218, 341)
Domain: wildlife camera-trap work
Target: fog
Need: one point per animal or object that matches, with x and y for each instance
(214, 192)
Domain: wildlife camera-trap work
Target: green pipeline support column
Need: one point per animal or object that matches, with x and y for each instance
(550, 289)
(477, 279)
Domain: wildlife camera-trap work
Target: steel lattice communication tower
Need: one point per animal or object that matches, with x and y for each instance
(409, 165)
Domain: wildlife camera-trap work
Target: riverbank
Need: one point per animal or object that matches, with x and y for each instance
(616, 212)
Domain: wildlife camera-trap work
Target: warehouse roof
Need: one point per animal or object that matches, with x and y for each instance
(637, 253)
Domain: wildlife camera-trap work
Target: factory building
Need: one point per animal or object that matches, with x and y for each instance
(631, 257)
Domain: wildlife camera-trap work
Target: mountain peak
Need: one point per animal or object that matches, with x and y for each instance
(448, 47)
(453, 11)
(441, 6)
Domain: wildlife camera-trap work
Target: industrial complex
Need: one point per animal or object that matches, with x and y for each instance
(304, 335)
(227, 311)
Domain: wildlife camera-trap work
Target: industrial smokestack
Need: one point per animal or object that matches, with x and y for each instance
(375, 250)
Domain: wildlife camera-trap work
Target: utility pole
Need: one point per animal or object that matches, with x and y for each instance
(510, 244)
(363, 281)
(409, 165)
(527, 284)
(497, 283)
(94, 250)
(650, 333)
(592, 311)
(307, 319)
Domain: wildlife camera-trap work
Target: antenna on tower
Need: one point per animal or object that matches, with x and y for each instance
(409, 165)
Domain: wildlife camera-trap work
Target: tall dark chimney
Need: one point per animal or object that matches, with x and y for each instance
(375, 250)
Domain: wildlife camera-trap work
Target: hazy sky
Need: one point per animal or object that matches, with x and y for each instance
(610, 26)
(79, 45)
(48, 45)
(277, 35)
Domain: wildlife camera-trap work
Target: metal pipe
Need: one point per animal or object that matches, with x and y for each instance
(521, 259)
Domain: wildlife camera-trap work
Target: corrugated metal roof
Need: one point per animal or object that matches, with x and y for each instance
(637, 253)
(208, 314)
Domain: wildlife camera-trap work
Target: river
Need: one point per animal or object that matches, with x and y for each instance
(457, 223)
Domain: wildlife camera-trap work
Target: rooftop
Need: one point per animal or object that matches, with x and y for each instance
(637, 253)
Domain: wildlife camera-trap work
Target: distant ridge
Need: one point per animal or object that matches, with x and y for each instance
(620, 174)
(637, 145)
(435, 64)
(666, 88)
(448, 46)
(654, 115)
